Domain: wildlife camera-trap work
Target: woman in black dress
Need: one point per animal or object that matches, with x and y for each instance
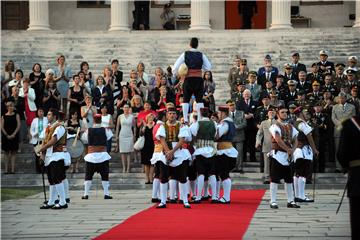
(76, 96)
(37, 83)
(51, 97)
(72, 126)
(148, 149)
(10, 126)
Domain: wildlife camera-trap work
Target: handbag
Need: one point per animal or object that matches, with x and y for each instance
(139, 144)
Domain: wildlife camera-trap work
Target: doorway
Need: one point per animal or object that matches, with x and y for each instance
(234, 21)
(14, 15)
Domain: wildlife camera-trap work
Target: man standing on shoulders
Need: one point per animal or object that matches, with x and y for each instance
(284, 142)
(97, 158)
(194, 83)
(226, 153)
(56, 158)
(303, 154)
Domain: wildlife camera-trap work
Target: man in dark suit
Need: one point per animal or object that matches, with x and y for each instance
(349, 158)
(324, 65)
(329, 85)
(249, 107)
(340, 76)
(247, 9)
(297, 67)
(267, 64)
(267, 75)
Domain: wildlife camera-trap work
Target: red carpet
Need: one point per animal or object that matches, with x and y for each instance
(202, 221)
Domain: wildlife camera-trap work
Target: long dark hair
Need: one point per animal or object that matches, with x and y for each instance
(211, 77)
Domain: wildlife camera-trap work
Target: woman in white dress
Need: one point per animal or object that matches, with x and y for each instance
(125, 137)
(108, 123)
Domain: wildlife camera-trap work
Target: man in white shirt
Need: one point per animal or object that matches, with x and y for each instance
(284, 142)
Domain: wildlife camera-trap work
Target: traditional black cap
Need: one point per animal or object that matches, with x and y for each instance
(204, 110)
(224, 109)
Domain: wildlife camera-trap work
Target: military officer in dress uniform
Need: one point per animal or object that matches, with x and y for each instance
(340, 76)
(292, 116)
(315, 95)
(288, 73)
(349, 158)
(329, 85)
(324, 65)
(352, 63)
(237, 96)
(297, 67)
(354, 99)
(303, 84)
(351, 79)
(238, 73)
(314, 75)
(291, 94)
(340, 112)
(261, 111)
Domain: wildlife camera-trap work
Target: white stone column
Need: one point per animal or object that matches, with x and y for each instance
(357, 13)
(39, 15)
(200, 15)
(281, 14)
(119, 15)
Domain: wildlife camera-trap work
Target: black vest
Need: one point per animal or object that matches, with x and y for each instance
(97, 137)
(193, 60)
(228, 137)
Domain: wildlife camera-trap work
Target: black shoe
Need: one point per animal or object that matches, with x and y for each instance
(57, 201)
(46, 206)
(305, 200)
(181, 202)
(196, 201)
(266, 182)
(214, 201)
(86, 197)
(67, 200)
(58, 206)
(108, 197)
(274, 205)
(155, 200)
(161, 205)
(292, 205)
(171, 201)
(187, 205)
(148, 182)
(223, 201)
(205, 198)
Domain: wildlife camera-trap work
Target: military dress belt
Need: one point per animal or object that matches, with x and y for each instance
(354, 163)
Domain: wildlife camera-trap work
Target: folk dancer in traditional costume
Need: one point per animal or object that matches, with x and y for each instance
(303, 154)
(55, 159)
(97, 158)
(205, 131)
(156, 182)
(170, 156)
(284, 142)
(226, 153)
(193, 84)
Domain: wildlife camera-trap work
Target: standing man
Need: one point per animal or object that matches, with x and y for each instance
(349, 158)
(239, 120)
(297, 67)
(325, 66)
(340, 112)
(303, 154)
(238, 73)
(226, 153)
(284, 142)
(204, 132)
(55, 158)
(97, 158)
(247, 9)
(194, 83)
(170, 156)
(263, 140)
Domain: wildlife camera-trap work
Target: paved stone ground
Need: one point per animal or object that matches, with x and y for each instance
(22, 219)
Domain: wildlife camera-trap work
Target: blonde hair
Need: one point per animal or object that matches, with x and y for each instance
(108, 68)
(132, 101)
